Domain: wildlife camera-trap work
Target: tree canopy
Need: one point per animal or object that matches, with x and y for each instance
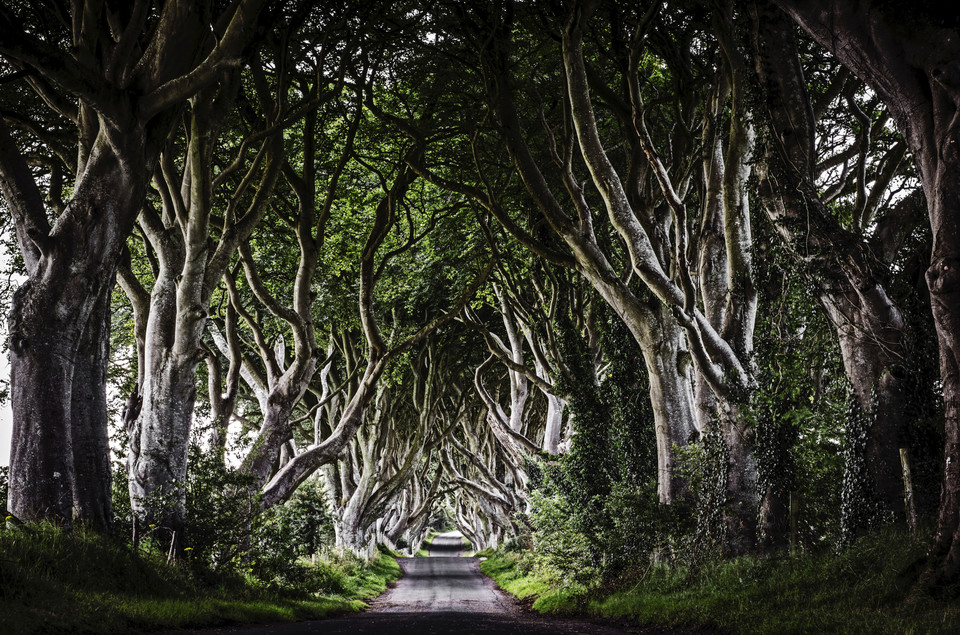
(598, 275)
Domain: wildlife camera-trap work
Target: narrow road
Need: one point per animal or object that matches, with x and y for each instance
(444, 593)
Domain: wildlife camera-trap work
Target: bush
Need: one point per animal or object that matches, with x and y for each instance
(223, 506)
(228, 534)
(563, 554)
(299, 528)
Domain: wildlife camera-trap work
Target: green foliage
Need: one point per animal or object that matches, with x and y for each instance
(708, 479)
(222, 511)
(55, 581)
(228, 534)
(864, 588)
(510, 570)
(283, 536)
(564, 554)
(798, 409)
(595, 512)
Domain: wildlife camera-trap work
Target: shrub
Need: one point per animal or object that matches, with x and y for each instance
(563, 554)
(301, 527)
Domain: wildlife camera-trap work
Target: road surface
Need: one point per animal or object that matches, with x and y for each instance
(443, 593)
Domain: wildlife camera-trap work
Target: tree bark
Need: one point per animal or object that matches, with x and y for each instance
(92, 486)
(869, 325)
(910, 57)
(48, 318)
(129, 92)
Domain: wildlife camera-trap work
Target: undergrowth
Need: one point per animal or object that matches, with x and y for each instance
(865, 588)
(54, 581)
(424, 550)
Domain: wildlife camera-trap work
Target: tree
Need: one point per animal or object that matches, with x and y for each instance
(190, 266)
(908, 55)
(121, 74)
(849, 264)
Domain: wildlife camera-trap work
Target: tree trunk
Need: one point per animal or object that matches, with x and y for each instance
(910, 57)
(41, 461)
(49, 315)
(92, 486)
(163, 430)
(873, 350)
(868, 323)
(553, 426)
(136, 93)
(740, 510)
(158, 460)
(671, 397)
(276, 429)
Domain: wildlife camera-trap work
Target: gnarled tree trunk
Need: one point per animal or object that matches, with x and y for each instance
(869, 325)
(50, 314)
(911, 57)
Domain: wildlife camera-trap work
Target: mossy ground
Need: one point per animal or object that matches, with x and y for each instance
(54, 581)
(866, 588)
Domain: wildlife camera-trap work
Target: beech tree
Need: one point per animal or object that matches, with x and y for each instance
(380, 352)
(908, 55)
(641, 206)
(497, 261)
(849, 264)
(173, 314)
(121, 74)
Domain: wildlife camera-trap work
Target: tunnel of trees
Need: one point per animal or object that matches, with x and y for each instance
(623, 280)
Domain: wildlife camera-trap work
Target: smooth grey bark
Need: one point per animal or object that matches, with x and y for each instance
(391, 450)
(287, 383)
(667, 366)
(129, 91)
(526, 320)
(722, 350)
(223, 390)
(191, 267)
(727, 290)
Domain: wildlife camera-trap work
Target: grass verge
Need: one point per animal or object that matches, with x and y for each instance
(53, 581)
(863, 589)
(424, 550)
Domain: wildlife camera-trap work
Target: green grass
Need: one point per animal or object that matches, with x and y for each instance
(864, 589)
(486, 553)
(424, 551)
(53, 581)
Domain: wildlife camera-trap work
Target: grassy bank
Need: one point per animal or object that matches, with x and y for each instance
(424, 550)
(54, 581)
(863, 589)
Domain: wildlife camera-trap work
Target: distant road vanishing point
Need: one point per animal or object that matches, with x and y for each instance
(443, 593)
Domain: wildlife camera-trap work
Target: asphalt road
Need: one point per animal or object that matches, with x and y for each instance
(444, 593)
